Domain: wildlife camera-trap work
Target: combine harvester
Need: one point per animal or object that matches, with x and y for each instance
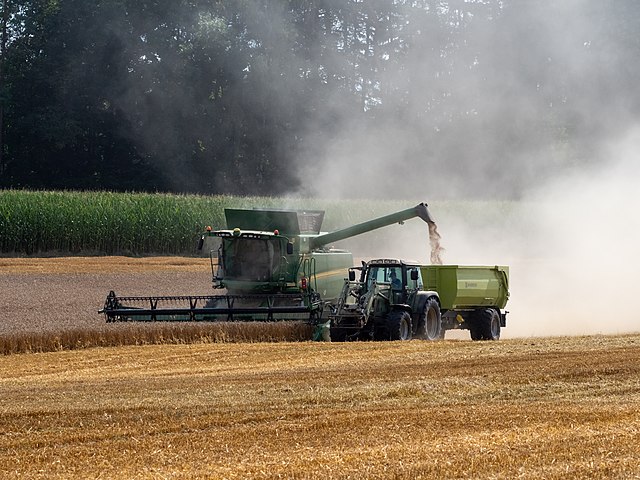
(274, 265)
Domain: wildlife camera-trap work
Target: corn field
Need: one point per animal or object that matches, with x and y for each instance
(67, 222)
(35, 222)
(74, 222)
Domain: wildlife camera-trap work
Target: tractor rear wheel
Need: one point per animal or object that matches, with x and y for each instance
(399, 325)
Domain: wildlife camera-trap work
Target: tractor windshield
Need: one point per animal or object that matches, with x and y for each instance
(251, 259)
(385, 275)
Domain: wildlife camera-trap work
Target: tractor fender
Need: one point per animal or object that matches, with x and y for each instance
(403, 307)
(421, 299)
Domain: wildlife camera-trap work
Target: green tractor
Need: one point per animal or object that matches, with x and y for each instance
(399, 300)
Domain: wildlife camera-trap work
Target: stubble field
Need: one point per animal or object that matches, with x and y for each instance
(519, 408)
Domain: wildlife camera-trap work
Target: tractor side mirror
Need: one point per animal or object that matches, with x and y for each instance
(414, 274)
(289, 248)
(201, 243)
(352, 276)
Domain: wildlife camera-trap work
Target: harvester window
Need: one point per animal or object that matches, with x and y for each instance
(251, 259)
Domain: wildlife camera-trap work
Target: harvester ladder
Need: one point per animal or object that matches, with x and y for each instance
(308, 267)
(283, 271)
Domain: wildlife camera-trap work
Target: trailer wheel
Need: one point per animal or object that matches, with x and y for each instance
(430, 322)
(399, 325)
(474, 330)
(492, 325)
(486, 325)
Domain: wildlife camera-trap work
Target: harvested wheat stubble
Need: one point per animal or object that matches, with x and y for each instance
(544, 408)
(531, 408)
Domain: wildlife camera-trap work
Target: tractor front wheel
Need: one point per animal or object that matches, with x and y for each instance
(399, 325)
(430, 321)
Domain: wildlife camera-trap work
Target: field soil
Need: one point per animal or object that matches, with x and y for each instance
(52, 294)
(545, 408)
(532, 408)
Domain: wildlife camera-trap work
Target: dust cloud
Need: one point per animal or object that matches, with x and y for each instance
(572, 247)
(580, 275)
(492, 102)
(523, 141)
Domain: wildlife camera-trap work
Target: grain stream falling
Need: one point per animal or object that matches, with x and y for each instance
(435, 244)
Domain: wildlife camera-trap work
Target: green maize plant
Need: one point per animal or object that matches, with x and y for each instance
(69, 222)
(33, 222)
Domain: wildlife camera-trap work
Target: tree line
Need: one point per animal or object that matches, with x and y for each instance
(235, 96)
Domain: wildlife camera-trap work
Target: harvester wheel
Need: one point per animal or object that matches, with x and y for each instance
(430, 321)
(399, 325)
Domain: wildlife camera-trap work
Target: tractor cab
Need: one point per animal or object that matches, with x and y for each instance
(394, 279)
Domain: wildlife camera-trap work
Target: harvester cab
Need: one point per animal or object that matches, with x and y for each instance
(260, 251)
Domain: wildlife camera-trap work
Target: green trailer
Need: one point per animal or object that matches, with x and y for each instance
(470, 297)
(463, 286)
(398, 300)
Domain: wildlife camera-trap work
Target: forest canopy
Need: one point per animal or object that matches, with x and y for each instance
(273, 97)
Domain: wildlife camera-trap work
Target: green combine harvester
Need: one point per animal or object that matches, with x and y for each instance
(271, 264)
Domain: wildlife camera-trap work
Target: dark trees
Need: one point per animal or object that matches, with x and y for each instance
(265, 97)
